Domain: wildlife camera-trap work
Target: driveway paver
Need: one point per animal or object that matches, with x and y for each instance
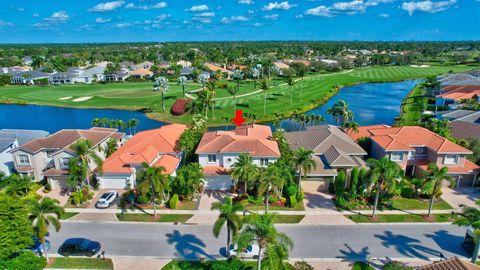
(461, 196)
(128, 263)
(95, 217)
(316, 197)
(56, 194)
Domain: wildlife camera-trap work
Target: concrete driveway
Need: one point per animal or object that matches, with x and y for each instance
(461, 196)
(56, 194)
(100, 192)
(317, 197)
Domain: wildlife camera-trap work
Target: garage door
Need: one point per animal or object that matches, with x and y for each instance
(218, 182)
(57, 183)
(465, 180)
(113, 183)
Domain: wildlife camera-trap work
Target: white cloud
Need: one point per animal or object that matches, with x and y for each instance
(272, 17)
(384, 15)
(206, 14)
(36, 14)
(427, 6)
(257, 24)
(107, 6)
(158, 5)
(103, 20)
(228, 20)
(246, 2)
(123, 25)
(198, 8)
(4, 24)
(356, 5)
(321, 11)
(350, 7)
(58, 16)
(276, 5)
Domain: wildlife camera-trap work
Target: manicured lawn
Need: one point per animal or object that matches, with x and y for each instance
(196, 265)
(417, 204)
(317, 89)
(412, 106)
(399, 218)
(148, 218)
(361, 266)
(81, 263)
(182, 205)
(291, 219)
(253, 207)
(68, 215)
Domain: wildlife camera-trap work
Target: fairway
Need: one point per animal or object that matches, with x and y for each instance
(316, 90)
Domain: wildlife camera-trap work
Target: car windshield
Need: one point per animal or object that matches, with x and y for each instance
(249, 249)
(104, 196)
(85, 244)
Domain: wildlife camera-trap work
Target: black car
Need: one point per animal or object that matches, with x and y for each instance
(79, 246)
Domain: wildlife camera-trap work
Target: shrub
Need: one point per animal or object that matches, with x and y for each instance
(292, 190)
(300, 196)
(407, 192)
(231, 264)
(331, 186)
(142, 199)
(180, 106)
(396, 266)
(174, 201)
(302, 266)
(47, 188)
(293, 202)
(24, 261)
(76, 198)
(255, 200)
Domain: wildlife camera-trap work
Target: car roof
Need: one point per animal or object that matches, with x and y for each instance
(73, 241)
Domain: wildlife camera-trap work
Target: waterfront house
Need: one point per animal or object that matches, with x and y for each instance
(144, 65)
(414, 148)
(214, 69)
(140, 73)
(465, 130)
(47, 158)
(28, 77)
(156, 147)
(461, 115)
(68, 77)
(452, 95)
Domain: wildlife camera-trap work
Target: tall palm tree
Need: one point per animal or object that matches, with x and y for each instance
(301, 72)
(112, 146)
(238, 76)
(228, 214)
(84, 155)
(244, 170)
(384, 176)
(304, 163)
(259, 229)
(255, 75)
(340, 112)
(233, 92)
(155, 180)
(133, 124)
(291, 82)
(264, 86)
(182, 80)
(161, 84)
(470, 217)
(351, 126)
(434, 176)
(205, 100)
(43, 214)
(203, 79)
(269, 180)
(211, 86)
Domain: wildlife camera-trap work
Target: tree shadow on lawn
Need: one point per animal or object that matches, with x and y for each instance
(407, 246)
(448, 242)
(188, 246)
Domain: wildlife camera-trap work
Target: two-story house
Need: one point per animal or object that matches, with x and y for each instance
(333, 150)
(414, 148)
(156, 147)
(47, 158)
(219, 150)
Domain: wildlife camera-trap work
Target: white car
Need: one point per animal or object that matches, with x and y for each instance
(250, 252)
(106, 199)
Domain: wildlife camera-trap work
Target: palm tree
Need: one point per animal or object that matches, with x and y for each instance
(96, 122)
(351, 126)
(264, 86)
(211, 86)
(259, 229)
(304, 163)
(233, 92)
(155, 180)
(161, 84)
(434, 177)
(182, 80)
(228, 214)
(203, 79)
(133, 124)
(112, 146)
(340, 112)
(384, 175)
(470, 217)
(291, 82)
(237, 76)
(302, 72)
(255, 75)
(205, 99)
(244, 170)
(269, 180)
(44, 213)
(85, 155)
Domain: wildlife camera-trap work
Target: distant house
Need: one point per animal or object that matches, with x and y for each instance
(414, 148)
(47, 158)
(452, 94)
(11, 139)
(120, 76)
(140, 73)
(461, 115)
(187, 72)
(69, 77)
(235, 67)
(465, 130)
(214, 68)
(91, 74)
(144, 65)
(156, 147)
(28, 77)
(27, 60)
(457, 79)
(333, 149)
(127, 65)
(184, 63)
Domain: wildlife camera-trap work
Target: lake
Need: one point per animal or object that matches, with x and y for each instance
(371, 103)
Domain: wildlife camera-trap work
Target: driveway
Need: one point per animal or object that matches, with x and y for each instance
(317, 197)
(56, 194)
(95, 217)
(101, 192)
(204, 215)
(461, 196)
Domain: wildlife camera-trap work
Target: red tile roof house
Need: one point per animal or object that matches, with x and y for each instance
(219, 150)
(47, 158)
(413, 148)
(156, 147)
(453, 94)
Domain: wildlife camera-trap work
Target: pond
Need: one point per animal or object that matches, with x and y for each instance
(371, 103)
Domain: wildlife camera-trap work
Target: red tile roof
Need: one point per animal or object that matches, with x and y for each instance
(145, 146)
(213, 67)
(468, 167)
(364, 131)
(253, 139)
(459, 92)
(450, 264)
(214, 170)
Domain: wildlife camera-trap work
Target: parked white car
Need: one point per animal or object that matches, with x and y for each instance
(106, 199)
(250, 252)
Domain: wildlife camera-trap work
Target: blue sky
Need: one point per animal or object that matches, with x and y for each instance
(61, 21)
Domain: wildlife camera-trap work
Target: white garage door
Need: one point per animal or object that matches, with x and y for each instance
(57, 183)
(218, 182)
(113, 183)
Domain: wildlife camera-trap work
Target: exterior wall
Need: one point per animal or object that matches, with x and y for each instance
(6, 160)
(122, 180)
(38, 161)
(226, 160)
(377, 151)
(403, 162)
(58, 157)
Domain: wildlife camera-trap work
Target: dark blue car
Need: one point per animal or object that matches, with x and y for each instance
(79, 246)
(37, 247)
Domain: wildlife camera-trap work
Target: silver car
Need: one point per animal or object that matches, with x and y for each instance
(106, 199)
(251, 251)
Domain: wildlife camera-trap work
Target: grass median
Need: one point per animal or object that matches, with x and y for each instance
(181, 218)
(80, 263)
(400, 218)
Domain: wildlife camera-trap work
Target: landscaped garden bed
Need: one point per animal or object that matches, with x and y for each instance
(80, 263)
(67, 215)
(181, 218)
(386, 218)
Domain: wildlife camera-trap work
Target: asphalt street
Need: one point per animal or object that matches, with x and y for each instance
(350, 242)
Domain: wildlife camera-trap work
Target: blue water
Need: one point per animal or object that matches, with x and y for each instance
(371, 103)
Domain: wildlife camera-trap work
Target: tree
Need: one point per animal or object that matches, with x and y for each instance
(112, 146)
(205, 100)
(155, 180)
(244, 170)
(43, 214)
(228, 216)
(182, 80)
(431, 85)
(351, 126)
(264, 86)
(301, 72)
(188, 180)
(24, 261)
(340, 112)
(18, 185)
(470, 217)
(238, 76)
(161, 84)
(132, 125)
(304, 164)
(259, 229)
(434, 176)
(203, 79)
(84, 155)
(15, 229)
(233, 92)
(291, 82)
(211, 87)
(255, 75)
(354, 182)
(270, 180)
(441, 127)
(384, 174)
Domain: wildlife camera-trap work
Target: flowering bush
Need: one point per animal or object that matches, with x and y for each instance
(180, 106)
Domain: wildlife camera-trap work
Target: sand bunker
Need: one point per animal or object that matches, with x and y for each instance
(80, 99)
(422, 66)
(64, 98)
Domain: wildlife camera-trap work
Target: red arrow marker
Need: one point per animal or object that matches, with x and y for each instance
(238, 120)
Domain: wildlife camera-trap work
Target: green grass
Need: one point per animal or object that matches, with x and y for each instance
(317, 89)
(196, 265)
(399, 218)
(253, 207)
(416, 204)
(148, 218)
(81, 263)
(67, 215)
(361, 266)
(412, 106)
(290, 219)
